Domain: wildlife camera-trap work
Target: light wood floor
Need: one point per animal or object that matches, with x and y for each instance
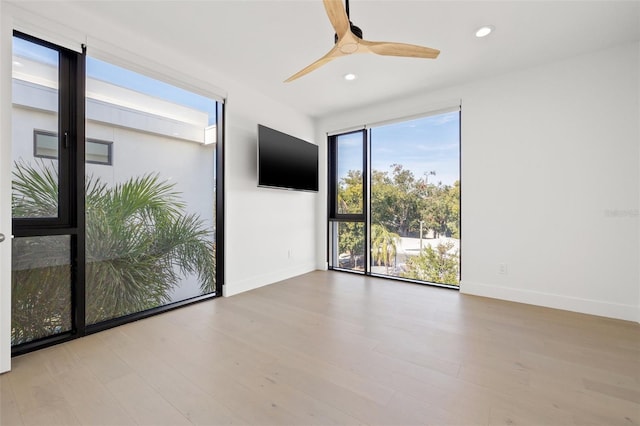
(334, 348)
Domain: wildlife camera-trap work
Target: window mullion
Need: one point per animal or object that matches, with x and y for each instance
(366, 193)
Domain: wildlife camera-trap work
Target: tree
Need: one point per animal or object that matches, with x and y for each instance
(396, 198)
(350, 195)
(140, 243)
(384, 245)
(441, 209)
(35, 191)
(350, 201)
(453, 198)
(384, 198)
(399, 201)
(438, 265)
(351, 241)
(409, 193)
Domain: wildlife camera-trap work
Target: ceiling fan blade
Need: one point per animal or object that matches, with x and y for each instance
(400, 49)
(333, 53)
(338, 16)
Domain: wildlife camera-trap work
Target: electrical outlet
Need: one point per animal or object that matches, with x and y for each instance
(502, 269)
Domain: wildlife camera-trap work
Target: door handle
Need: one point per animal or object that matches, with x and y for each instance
(1, 238)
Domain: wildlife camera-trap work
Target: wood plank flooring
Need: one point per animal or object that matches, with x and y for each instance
(333, 348)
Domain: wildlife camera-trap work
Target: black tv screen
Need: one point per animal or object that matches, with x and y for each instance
(285, 161)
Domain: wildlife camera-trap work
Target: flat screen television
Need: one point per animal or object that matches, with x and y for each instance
(286, 162)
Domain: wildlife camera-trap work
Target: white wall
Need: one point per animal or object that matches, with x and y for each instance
(262, 225)
(550, 181)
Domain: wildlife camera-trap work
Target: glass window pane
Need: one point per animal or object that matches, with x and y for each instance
(350, 174)
(415, 199)
(98, 152)
(150, 222)
(348, 245)
(35, 106)
(46, 145)
(40, 287)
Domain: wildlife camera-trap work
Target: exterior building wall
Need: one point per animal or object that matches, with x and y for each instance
(142, 144)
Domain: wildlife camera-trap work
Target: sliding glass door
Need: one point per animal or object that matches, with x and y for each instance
(116, 183)
(410, 221)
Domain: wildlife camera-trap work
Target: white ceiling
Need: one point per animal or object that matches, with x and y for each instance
(261, 43)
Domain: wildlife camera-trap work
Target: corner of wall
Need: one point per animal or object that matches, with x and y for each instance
(260, 280)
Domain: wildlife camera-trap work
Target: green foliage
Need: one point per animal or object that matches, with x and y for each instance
(350, 201)
(41, 290)
(350, 195)
(399, 201)
(384, 245)
(396, 199)
(453, 221)
(139, 244)
(351, 242)
(441, 209)
(34, 194)
(438, 265)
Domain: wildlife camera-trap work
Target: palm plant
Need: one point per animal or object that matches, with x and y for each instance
(35, 194)
(41, 290)
(384, 245)
(140, 242)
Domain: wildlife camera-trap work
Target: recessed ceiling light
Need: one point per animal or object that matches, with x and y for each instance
(350, 77)
(484, 31)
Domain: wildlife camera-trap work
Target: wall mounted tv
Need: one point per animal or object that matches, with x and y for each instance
(286, 162)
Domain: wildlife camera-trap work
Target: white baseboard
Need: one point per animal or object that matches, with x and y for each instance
(550, 300)
(235, 287)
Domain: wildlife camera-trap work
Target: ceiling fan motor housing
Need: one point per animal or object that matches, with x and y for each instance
(355, 30)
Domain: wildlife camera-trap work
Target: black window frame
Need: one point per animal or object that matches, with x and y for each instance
(70, 66)
(332, 204)
(109, 145)
(39, 132)
(71, 217)
(333, 182)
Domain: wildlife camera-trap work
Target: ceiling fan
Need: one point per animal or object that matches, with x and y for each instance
(348, 40)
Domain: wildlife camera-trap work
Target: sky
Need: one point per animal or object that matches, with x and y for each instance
(421, 145)
(122, 77)
(113, 74)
